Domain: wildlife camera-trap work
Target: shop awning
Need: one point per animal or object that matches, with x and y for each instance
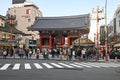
(117, 45)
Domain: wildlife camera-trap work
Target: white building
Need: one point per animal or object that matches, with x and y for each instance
(114, 27)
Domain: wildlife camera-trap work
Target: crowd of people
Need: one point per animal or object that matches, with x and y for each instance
(72, 53)
(21, 52)
(67, 53)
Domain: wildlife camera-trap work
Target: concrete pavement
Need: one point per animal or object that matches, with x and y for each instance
(62, 58)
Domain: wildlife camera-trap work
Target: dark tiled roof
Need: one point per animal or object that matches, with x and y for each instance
(7, 29)
(18, 1)
(61, 23)
(3, 17)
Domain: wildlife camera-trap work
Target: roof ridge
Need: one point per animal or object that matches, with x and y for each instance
(63, 17)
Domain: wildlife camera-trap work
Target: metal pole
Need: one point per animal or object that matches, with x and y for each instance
(11, 22)
(79, 38)
(97, 11)
(97, 24)
(11, 35)
(106, 29)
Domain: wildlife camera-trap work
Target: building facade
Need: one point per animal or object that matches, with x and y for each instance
(5, 33)
(2, 21)
(113, 30)
(56, 32)
(25, 12)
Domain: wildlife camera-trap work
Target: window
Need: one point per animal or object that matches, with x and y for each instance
(32, 41)
(34, 12)
(14, 11)
(111, 28)
(45, 41)
(118, 36)
(119, 23)
(29, 20)
(28, 11)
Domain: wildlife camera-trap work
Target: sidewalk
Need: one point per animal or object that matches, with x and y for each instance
(58, 59)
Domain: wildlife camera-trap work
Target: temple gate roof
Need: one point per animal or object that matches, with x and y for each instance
(61, 23)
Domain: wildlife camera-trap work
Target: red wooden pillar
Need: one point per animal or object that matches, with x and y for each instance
(40, 43)
(68, 41)
(50, 41)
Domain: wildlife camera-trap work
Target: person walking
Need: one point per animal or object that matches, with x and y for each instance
(10, 51)
(83, 54)
(1, 52)
(53, 53)
(79, 54)
(69, 53)
(4, 53)
(37, 53)
(26, 53)
(30, 53)
(20, 53)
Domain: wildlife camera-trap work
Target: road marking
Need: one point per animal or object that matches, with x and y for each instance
(65, 65)
(114, 65)
(27, 66)
(91, 64)
(81, 64)
(78, 66)
(5, 67)
(103, 65)
(61, 65)
(16, 66)
(56, 65)
(47, 65)
(38, 66)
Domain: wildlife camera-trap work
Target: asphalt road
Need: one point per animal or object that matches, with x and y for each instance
(31, 72)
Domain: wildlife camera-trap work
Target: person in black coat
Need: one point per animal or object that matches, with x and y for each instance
(26, 52)
(79, 53)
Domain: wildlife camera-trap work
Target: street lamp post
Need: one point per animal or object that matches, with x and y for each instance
(12, 23)
(97, 11)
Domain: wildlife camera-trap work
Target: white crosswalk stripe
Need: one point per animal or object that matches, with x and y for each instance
(103, 65)
(76, 65)
(5, 67)
(115, 65)
(47, 65)
(61, 65)
(56, 65)
(16, 66)
(27, 66)
(112, 65)
(81, 64)
(38, 66)
(92, 65)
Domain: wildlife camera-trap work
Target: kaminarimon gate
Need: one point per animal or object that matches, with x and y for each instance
(60, 31)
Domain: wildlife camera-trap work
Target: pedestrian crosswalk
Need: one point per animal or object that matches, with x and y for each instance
(16, 66)
(38, 66)
(58, 65)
